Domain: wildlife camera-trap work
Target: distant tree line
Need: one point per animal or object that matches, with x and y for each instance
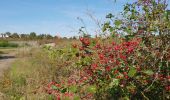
(30, 36)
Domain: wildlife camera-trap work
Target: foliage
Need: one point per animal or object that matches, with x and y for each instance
(26, 77)
(31, 36)
(130, 61)
(7, 44)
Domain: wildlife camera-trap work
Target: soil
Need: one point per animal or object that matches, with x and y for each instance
(5, 63)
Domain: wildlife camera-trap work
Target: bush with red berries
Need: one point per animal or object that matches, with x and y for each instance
(130, 62)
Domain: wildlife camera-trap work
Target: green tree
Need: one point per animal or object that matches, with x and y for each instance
(32, 35)
(8, 34)
(15, 35)
(41, 36)
(24, 36)
(48, 36)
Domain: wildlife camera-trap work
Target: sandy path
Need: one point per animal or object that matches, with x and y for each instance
(5, 61)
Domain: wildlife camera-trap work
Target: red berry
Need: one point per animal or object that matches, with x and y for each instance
(101, 56)
(126, 77)
(97, 46)
(167, 88)
(94, 66)
(84, 78)
(108, 68)
(138, 68)
(81, 39)
(119, 77)
(57, 85)
(58, 98)
(168, 77)
(127, 68)
(81, 48)
(125, 73)
(86, 41)
(113, 43)
(116, 71)
(117, 62)
(117, 48)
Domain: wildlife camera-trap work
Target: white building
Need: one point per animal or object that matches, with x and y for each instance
(3, 35)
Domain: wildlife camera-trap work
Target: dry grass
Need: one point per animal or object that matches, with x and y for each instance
(27, 77)
(32, 71)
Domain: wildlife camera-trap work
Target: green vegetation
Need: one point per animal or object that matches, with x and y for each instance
(1, 52)
(4, 43)
(27, 76)
(30, 36)
(32, 71)
(130, 60)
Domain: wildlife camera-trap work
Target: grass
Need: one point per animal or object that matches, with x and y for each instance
(5, 44)
(1, 52)
(7, 50)
(27, 77)
(31, 72)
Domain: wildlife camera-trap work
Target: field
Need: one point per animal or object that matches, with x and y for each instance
(127, 59)
(32, 74)
(7, 44)
(29, 73)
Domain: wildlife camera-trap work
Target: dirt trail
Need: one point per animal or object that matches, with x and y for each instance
(8, 58)
(5, 61)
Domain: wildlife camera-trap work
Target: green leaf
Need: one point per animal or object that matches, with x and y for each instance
(111, 29)
(132, 72)
(54, 87)
(64, 90)
(131, 86)
(76, 98)
(126, 98)
(104, 28)
(115, 82)
(73, 89)
(168, 12)
(93, 43)
(128, 30)
(110, 15)
(91, 89)
(50, 97)
(148, 72)
(118, 22)
(66, 98)
(99, 72)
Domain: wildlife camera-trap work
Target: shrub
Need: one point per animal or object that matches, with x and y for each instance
(130, 62)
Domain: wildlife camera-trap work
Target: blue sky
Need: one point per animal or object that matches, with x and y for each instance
(57, 17)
